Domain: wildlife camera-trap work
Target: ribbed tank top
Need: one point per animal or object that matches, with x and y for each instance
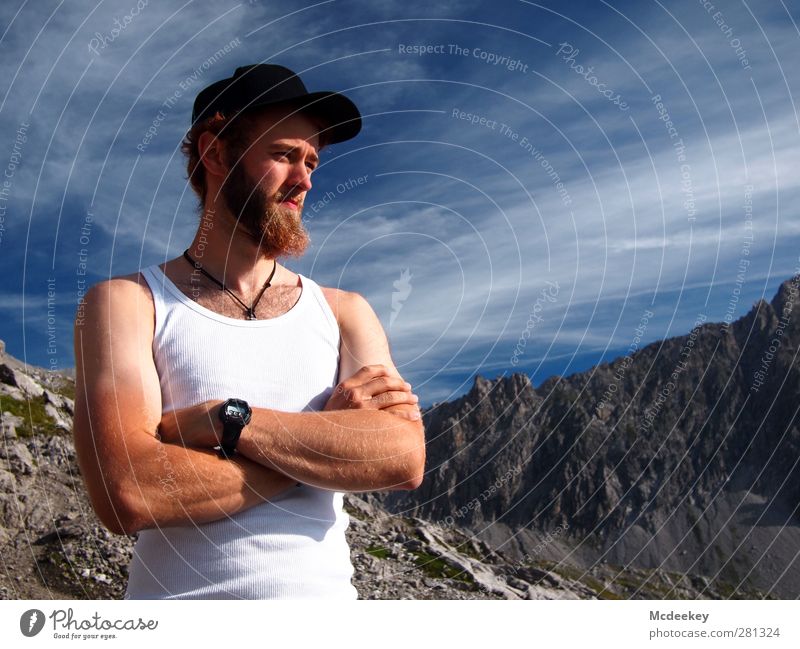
(293, 546)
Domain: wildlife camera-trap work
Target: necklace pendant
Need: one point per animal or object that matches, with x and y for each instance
(251, 314)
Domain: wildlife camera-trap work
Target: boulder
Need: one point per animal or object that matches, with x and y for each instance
(18, 458)
(7, 482)
(60, 401)
(58, 417)
(8, 427)
(10, 376)
(11, 391)
(484, 578)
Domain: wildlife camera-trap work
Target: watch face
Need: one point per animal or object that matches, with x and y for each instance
(237, 410)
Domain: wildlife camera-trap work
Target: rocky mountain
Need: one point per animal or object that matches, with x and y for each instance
(681, 456)
(668, 473)
(52, 546)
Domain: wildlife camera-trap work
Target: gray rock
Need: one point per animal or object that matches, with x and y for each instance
(7, 375)
(19, 379)
(17, 457)
(484, 577)
(7, 482)
(11, 392)
(56, 415)
(78, 558)
(8, 427)
(60, 402)
(56, 449)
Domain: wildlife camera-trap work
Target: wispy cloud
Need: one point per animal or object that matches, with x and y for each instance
(546, 180)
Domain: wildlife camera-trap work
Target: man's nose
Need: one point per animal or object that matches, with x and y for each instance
(300, 178)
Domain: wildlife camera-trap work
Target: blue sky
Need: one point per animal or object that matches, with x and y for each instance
(493, 250)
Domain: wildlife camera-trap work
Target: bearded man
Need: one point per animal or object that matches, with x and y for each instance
(225, 403)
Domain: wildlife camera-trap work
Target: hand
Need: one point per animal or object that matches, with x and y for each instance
(375, 388)
(197, 426)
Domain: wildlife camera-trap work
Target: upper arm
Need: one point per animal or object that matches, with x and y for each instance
(363, 340)
(118, 397)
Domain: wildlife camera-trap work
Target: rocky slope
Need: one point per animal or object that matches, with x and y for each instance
(681, 456)
(52, 546)
(559, 492)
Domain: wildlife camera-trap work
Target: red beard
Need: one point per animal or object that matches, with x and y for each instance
(277, 228)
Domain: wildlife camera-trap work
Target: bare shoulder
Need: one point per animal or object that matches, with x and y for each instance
(347, 306)
(123, 299)
(132, 287)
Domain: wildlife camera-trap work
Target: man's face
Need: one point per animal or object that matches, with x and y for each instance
(267, 183)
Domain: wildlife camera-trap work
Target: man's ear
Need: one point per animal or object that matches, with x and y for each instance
(212, 154)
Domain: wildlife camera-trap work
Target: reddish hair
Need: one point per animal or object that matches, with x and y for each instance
(196, 170)
(236, 132)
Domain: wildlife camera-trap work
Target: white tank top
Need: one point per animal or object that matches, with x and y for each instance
(293, 546)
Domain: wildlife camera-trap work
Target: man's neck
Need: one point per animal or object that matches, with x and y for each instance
(229, 253)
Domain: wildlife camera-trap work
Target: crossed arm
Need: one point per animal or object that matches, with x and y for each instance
(356, 446)
(369, 437)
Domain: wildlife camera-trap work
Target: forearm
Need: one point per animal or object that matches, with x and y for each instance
(344, 450)
(206, 487)
(180, 486)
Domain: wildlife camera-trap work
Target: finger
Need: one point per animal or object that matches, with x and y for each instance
(369, 372)
(361, 378)
(393, 398)
(387, 384)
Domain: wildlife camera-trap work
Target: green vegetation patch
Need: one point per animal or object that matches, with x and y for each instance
(65, 388)
(34, 417)
(57, 572)
(467, 550)
(437, 568)
(378, 552)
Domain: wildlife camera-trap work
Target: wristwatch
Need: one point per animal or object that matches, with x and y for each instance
(235, 414)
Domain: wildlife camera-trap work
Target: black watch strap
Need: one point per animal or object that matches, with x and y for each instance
(235, 415)
(230, 438)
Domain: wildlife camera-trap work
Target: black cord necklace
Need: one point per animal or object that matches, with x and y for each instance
(249, 310)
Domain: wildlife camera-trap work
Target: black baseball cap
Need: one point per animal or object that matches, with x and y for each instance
(262, 84)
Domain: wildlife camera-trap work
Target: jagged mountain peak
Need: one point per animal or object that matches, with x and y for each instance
(645, 457)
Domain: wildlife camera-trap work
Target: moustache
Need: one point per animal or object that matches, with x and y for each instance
(282, 196)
